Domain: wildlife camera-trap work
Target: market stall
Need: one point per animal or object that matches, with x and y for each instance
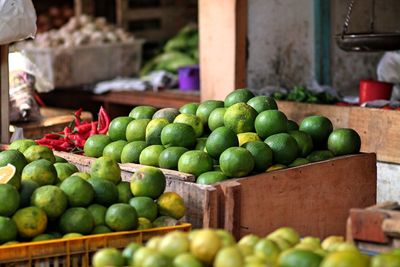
(220, 177)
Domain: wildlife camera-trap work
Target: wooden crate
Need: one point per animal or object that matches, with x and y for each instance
(377, 127)
(314, 199)
(375, 229)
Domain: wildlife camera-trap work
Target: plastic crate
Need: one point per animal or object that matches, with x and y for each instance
(75, 252)
(67, 67)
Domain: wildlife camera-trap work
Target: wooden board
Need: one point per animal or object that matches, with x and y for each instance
(378, 128)
(223, 31)
(314, 199)
(4, 95)
(375, 229)
(53, 120)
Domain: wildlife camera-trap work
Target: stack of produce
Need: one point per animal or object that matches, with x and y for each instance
(181, 50)
(217, 140)
(44, 197)
(303, 94)
(81, 30)
(73, 137)
(281, 248)
(54, 17)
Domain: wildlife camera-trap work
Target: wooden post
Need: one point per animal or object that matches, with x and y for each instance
(83, 7)
(223, 31)
(4, 96)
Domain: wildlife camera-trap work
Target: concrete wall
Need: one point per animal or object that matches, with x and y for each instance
(281, 42)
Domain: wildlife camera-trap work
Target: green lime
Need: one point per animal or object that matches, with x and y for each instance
(169, 158)
(95, 145)
(150, 155)
(76, 220)
(236, 162)
(167, 113)
(124, 192)
(148, 182)
(216, 118)
(136, 130)
(51, 199)
(117, 128)
(121, 217)
(219, 140)
(189, 108)
(36, 152)
(238, 96)
(319, 128)
(195, 162)
(270, 122)
(153, 131)
(131, 151)
(204, 110)
(114, 150)
(178, 134)
(106, 168)
(304, 141)
(344, 141)
(211, 177)
(191, 120)
(284, 146)
(240, 118)
(79, 192)
(145, 207)
(262, 103)
(142, 112)
(262, 155)
(105, 192)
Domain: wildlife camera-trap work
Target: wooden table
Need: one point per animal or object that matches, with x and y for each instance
(118, 103)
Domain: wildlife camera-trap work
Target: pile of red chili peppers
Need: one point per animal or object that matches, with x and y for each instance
(73, 137)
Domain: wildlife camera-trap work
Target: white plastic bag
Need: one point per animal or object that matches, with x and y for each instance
(389, 71)
(17, 20)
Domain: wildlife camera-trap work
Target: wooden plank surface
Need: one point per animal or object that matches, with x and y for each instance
(315, 199)
(4, 95)
(127, 168)
(378, 128)
(53, 120)
(223, 29)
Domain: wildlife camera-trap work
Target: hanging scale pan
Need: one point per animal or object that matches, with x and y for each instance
(366, 42)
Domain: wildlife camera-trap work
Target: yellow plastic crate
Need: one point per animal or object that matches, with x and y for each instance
(75, 252)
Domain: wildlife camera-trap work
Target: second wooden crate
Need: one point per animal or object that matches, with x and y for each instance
(315, 198)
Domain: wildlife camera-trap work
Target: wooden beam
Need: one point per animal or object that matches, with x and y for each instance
(223, 31)
(4, 96)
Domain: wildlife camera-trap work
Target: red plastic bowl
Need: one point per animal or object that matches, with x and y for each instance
(374, 90)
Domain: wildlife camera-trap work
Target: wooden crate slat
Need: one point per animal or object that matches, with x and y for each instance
(314, 199)
(367, 225)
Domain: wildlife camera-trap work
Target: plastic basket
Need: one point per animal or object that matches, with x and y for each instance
(75, 252)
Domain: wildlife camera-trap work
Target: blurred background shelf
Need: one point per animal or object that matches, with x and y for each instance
(118, 103)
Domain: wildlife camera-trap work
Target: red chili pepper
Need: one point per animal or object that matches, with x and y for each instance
(77, 115)
(103, 121)
(67, 131)
(50, 141)
(83, 128)
(52, 136)
(93, 129)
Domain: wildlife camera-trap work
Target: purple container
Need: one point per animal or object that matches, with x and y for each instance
(189, 78)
